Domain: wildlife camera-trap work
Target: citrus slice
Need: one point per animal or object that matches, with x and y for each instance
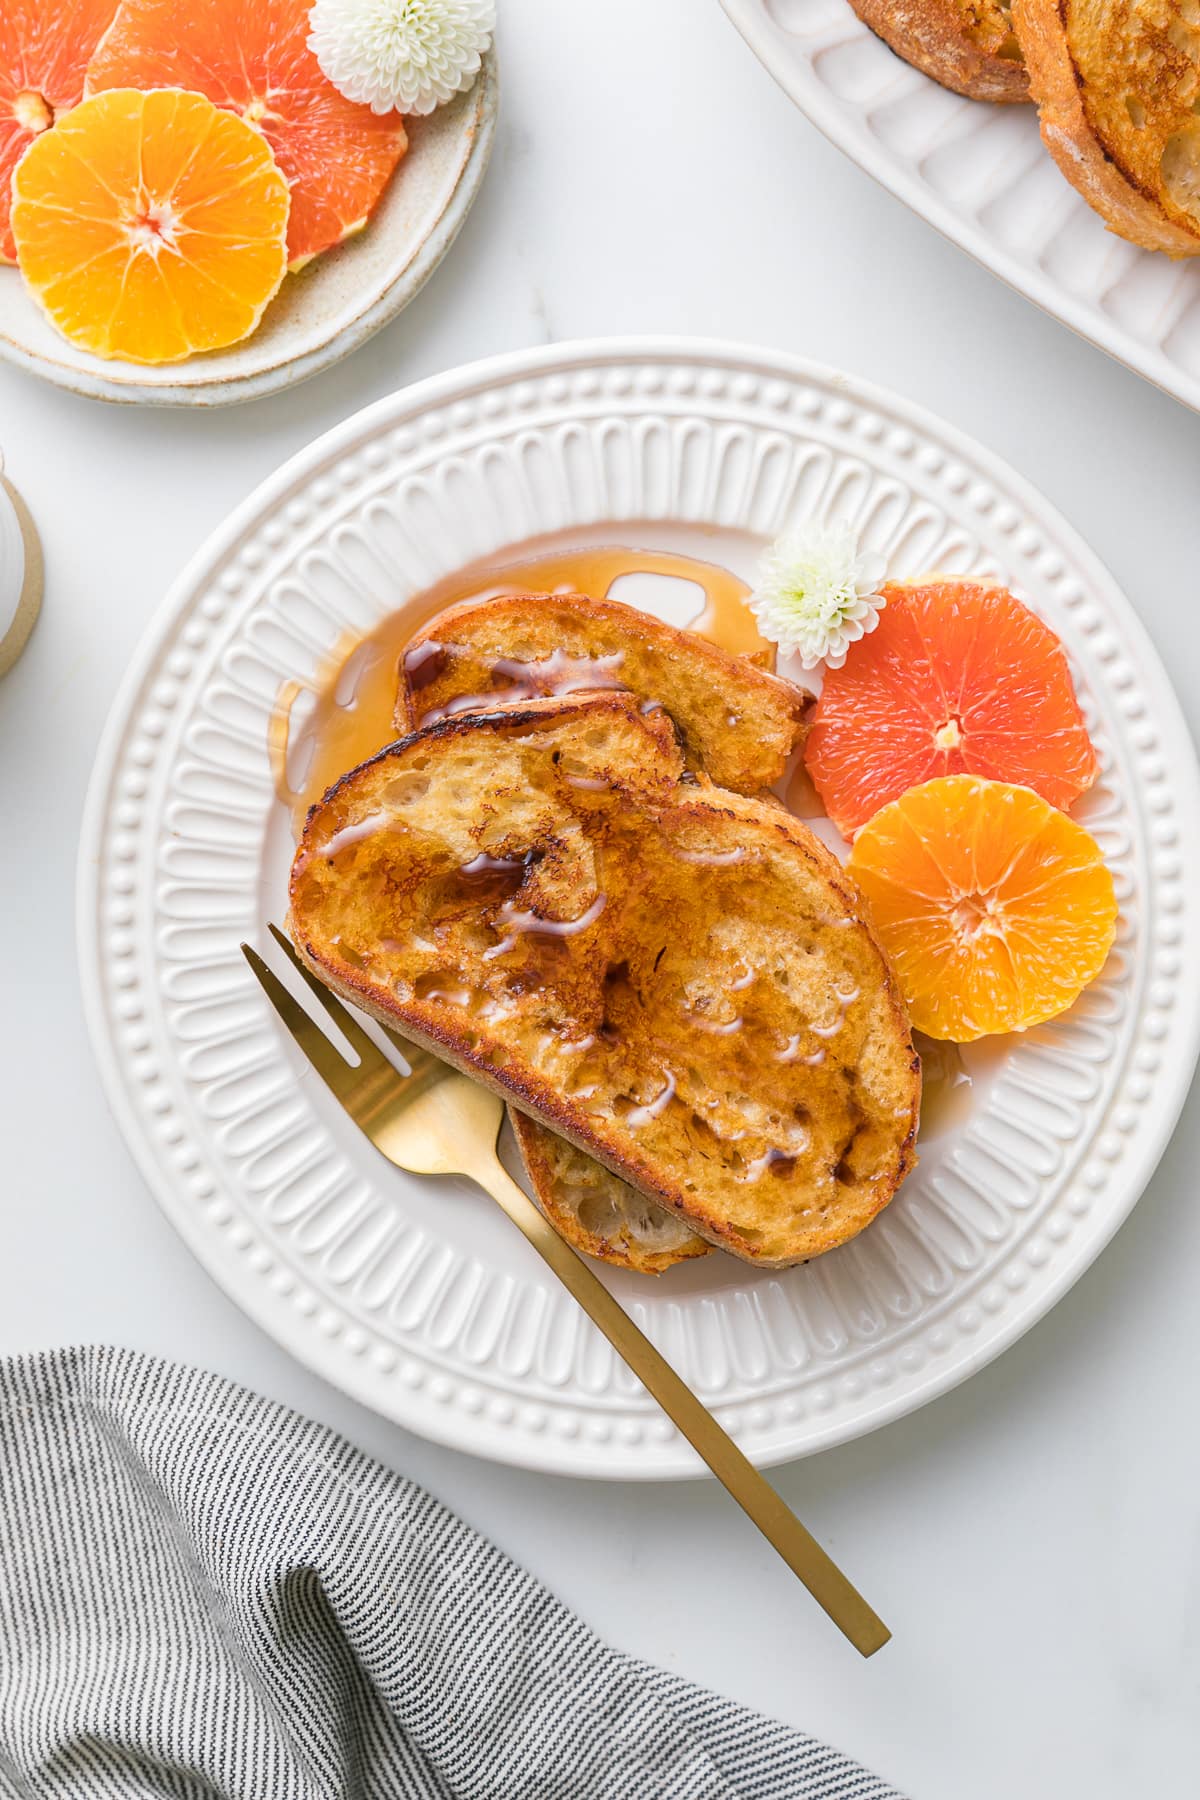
(45, 47)
(957, 678)
(149, 226)
(251, 57)
(995, 908)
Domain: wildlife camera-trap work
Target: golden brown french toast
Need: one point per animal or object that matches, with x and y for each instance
(512, 647)
(966, 45)
(735, 721)
(595, 1210)
(1117, 84)
(678, 979)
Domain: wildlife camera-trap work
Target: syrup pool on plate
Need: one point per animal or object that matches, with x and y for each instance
(946, 1087)
(351, 714)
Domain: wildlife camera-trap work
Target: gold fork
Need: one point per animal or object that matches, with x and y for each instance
(436, 1121)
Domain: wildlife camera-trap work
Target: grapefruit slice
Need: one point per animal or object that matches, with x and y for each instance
(957, 678)
(150, 226)
(45, 47)
(996, 909)
(251, 57)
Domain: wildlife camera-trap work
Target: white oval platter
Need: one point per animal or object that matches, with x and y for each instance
(320, 313)
(417, 1297)
(980, 175)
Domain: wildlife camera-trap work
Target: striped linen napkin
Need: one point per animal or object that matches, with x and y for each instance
(206, 1596)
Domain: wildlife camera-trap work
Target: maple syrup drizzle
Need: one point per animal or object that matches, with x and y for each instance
(945, 1086)
(352, 714)
(558, 673)
(798, 793)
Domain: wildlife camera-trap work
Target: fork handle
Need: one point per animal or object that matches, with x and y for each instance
(774, 1518)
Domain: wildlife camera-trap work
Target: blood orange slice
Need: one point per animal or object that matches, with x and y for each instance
(996, 909)
(957, 678)
(252, 57)
(45, 47)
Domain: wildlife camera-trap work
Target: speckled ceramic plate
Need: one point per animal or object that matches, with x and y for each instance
(418, 1297)
(323, 311)
(980, 175)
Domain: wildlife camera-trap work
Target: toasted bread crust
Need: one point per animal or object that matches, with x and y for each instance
(966, 45)
(736, 722)
(596, 1211)
(495, 787)
(1092, 70)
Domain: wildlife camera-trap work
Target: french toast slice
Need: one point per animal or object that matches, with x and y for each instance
(968, 46)
(679, 980)
(595, 1210)
(1117, 84)
(506, 649)
(736, 722)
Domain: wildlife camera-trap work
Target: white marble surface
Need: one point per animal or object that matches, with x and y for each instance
(1033, 1538)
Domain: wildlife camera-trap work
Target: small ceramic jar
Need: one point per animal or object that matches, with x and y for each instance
(20, 573)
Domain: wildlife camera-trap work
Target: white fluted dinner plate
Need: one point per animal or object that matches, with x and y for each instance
(979, 174)
(417, 1297)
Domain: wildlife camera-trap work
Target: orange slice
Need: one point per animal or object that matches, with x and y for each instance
(957, 678)
(150, 226)
(45, 47)
(996, 909)
(252, 57)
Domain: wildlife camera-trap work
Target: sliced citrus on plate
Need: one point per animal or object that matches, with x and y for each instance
(150, 226)
(251, 57)
(996, 909)
(45, 47)
(957, 678)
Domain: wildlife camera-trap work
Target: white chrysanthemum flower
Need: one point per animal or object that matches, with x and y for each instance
(401, 55)
(816, 592)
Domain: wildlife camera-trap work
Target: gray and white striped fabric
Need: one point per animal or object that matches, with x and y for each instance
(204, 1595)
